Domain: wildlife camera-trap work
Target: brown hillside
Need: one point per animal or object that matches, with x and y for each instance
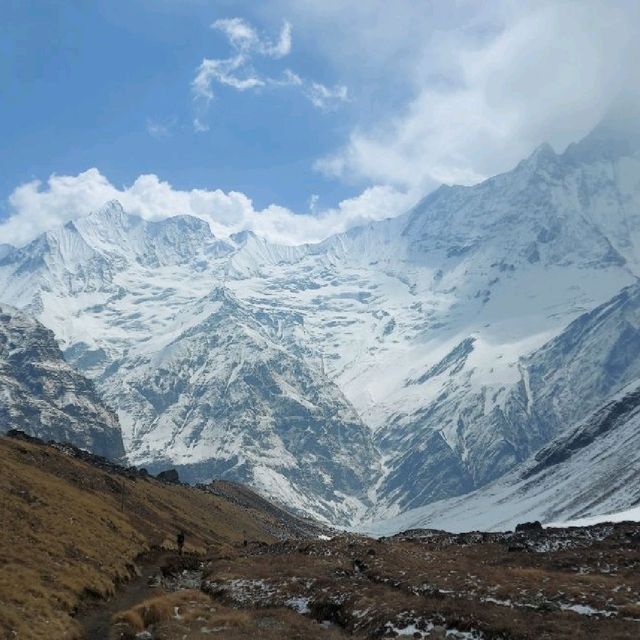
(71, 529)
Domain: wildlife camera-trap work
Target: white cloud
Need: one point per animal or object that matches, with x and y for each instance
(283, 46)
(160, 129)
(314, 199)
(241, 35)
(239, 72)
(289, 79)
(200, 125)
(233, 72)
(244, 38)
(35, 207)
(459, 91)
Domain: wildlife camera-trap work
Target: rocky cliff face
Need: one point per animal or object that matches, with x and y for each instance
(44, 396)
(200, 380)
(589, 471)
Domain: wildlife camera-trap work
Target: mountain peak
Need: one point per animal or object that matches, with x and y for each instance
(609, 140)
(184, 223)
(242, 237)
(541, 156)
(44, 396)
(111, 206)
(112, 213)
(542, 153)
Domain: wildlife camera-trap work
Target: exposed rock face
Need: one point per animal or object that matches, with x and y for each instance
(44, 396)
(226, 399)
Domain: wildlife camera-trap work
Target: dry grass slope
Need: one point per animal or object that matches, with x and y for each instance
(568, 585)
(65, 534)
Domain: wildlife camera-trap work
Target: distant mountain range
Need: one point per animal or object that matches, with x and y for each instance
(387, 368)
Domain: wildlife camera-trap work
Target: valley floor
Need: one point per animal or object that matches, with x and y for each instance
(559, 583)
(77, 562)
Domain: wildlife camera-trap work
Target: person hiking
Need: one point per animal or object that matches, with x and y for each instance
(180, 541)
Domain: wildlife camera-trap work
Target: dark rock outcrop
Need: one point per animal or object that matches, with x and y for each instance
(44, 396)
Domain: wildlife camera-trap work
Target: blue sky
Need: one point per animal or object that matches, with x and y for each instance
(294, 118)
(87, 80)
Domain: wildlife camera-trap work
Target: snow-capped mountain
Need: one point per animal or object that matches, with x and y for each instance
(424, 320)
(200, 380)
(44, 396)
(421, 348)
(226, 398)
(592, 470)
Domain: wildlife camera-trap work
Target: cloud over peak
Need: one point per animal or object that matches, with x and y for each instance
(36, 207)
(461, 91)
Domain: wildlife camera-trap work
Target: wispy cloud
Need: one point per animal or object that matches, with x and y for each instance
(244, 38)
(159, 129)
(239, 72)
(326, 98)
(233, 72)
(199, 125)
(289, 79)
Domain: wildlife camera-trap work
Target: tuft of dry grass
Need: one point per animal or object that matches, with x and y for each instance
(161, 608)
(198, 620)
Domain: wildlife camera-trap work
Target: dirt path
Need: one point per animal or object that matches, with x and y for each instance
(95, 617)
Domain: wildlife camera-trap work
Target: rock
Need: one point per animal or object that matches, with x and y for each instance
(170, 475)
(529, 526)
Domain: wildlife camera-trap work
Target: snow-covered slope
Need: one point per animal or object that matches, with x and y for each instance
(592, 467)
(628, 515)
(593, 470)
(428, 328)
(225, 398)
(199, 380)
(423, 320)
(43, 396)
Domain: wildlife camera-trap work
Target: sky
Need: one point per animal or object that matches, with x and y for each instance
(294, 118)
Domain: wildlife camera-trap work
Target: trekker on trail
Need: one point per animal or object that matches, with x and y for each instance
(180, 541)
